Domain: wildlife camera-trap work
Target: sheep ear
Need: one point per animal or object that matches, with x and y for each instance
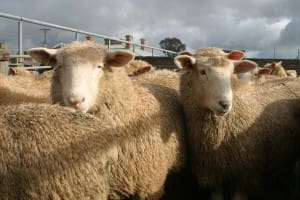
(264, 71)
(119, 58)
(279, 63)
(12, 71)
(236, 55)
(185, 61)
(144, 70)
(244, 66)
(44, 56)
(273, 65)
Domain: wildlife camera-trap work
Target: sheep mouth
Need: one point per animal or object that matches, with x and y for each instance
(220, 112)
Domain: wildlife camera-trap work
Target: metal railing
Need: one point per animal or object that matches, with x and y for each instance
(76, 31)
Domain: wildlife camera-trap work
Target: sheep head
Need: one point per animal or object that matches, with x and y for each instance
(79, 66)
(211, 75)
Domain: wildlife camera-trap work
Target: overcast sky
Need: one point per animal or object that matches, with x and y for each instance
(256, 26)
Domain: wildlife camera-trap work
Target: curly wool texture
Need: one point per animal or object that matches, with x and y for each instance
(17, 90)
(258, 139)
(154, 125)
(51, 152)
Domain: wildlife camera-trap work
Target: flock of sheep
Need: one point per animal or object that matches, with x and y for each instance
(102, 125)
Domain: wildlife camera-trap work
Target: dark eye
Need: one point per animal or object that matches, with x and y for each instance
(100, 66)
(202, 72)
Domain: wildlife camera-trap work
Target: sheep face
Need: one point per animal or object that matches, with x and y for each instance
(211, 78)
(79, 67)
(80, 76)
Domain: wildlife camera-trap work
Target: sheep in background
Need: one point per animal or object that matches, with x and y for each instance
(291, 73)
(17, 90)
(247, 139)
(19, 71)
(90, 79)
(138, 67)
(52, 152)
(276, 69)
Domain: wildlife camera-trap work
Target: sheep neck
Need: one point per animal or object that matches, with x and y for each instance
(117, 95)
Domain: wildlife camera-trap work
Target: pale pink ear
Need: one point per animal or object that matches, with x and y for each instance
(185, 53)
(279, 63)
(44, 56)
(185, 61)
(244, 66)
(236, 55)
(119, 58)
(264, 71)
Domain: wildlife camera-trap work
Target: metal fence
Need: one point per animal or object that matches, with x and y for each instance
(21, 20)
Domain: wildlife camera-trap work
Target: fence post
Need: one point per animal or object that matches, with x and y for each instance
(20, 37)
(108, 45)
(76, 36)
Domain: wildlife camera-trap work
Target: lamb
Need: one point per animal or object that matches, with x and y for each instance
(90, 79)
(138, 67)
(53, 152)
(244, 138)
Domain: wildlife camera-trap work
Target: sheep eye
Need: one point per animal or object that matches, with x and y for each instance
(202, 72)
(100, 66)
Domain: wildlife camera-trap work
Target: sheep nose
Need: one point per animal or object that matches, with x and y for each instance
(76, 101)
(224, 104)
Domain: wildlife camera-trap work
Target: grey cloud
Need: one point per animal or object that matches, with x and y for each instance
(251, 25)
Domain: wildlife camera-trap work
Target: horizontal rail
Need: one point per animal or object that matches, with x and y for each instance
(37, 22)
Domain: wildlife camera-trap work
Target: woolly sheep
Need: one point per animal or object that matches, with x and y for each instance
(19, 71)
(291, 73)
(90, 79)
(138, 67)
(276, 69)
(51, 152)
(241, 138)
(16, 90)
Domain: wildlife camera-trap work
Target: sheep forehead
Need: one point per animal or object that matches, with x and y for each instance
(89, 51)
(213, 61)
(210, 51)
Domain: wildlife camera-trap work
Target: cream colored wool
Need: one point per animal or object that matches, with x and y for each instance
(52, 152)
(257, 140)
(152, 117)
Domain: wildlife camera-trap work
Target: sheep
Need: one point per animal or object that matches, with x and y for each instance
(53, 152)
(243, 138)
(138, 67)
(291, 73)
(276, 69)
(92, 80)
(18, 71)
(16, 90)
(22, 72)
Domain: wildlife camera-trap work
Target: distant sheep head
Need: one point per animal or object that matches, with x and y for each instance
(79, 67)
(276, 69)
(212, 71)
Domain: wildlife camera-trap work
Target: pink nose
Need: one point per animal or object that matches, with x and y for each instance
(76, 101)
